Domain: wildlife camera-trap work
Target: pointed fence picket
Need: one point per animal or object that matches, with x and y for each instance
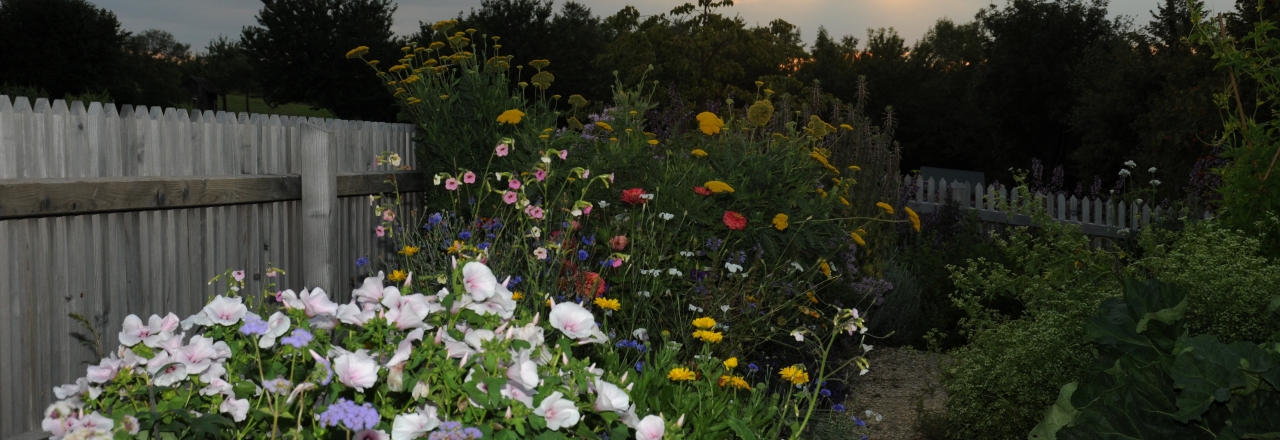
(140, 246)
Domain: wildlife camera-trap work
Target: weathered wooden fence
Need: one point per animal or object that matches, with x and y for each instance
(107, 212)
(996, 204)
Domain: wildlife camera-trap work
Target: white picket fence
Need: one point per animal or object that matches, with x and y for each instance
(106, 212)
(1096, 217)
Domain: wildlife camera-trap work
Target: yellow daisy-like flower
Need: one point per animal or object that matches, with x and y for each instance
(409, 250)
(915, 218)
(606, 303)
(885, 206)
(780, 222)
(857, 237)
(512, 117)
(734, 382)
(705, 323)
(698, 152)
(731, 363)
(826, 268)
(681, 373)
(795, 374)
(708, 336)
(372, 62)
(604, 125)
(516, 296)
(709, 123)
(397, 276)
(718, 187)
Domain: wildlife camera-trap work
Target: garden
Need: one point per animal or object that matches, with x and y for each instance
(623, 269)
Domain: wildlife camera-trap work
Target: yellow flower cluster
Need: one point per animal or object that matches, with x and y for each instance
(795, 374)
(780, 222)
(826, 268)
(857, 237)
(606, 303)
(709, 123)
(817, 155)
(708, 336)
(681, 373)
(358, 52)
(915, 218)
(698, 152)
(885, 206)
(604, 125)
(718, 187)
(512, 117)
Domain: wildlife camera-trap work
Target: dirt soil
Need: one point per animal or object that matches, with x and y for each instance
(901, 383)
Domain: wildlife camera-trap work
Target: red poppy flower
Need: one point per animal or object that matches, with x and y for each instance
(633, 196)
(591, 285)
(735, 221)
(702, 190)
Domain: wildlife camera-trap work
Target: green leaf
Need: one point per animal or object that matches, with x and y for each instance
(1061, 414)
(1206, 371)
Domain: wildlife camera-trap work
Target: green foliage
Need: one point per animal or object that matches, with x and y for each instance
(296, 53)
(1229, 280)
(1152, 380)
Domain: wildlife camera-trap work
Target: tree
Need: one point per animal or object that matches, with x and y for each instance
(62, 46)
(298, 49)
(154, 64)
(227, 66)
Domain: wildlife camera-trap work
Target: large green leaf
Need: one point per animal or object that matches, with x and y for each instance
(1154, 300)
(1257, 416)
(1206, 371)
(1057, 416)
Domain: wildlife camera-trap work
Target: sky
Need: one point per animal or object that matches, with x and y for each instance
(196, 22)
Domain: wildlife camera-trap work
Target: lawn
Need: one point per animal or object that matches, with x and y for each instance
(236, 103)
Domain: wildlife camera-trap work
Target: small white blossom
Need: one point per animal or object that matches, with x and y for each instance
(674, 271)
(647, 196)
(1151, 170)
(666, 216)
(733, 268)
(1155, 182)
(686, 254)
(604, 204)
(1130, 164)
(1124, 172)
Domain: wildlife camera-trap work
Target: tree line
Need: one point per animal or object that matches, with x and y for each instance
(1055, 81)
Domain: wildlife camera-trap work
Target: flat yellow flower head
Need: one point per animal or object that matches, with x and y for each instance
(731, 363)
(357, 52)
(516, 296)
(885, 206)
(705, 323)
(653, 142)
(718, 187)
(780, 222)
(709, 123)
(915, 218)
(681, 373)
(604, 125)
(606, 303)
(512, 117)
(857, 237)
(698, 152)
(826, 268)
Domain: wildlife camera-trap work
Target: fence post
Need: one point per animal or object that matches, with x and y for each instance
(319, 200)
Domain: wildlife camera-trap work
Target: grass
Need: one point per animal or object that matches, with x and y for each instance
(236, 103)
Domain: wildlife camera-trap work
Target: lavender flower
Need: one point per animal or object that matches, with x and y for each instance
(279, 385)
(254, 325)
(465, 235)
(455, 431)
(713, 244)
(350, 416)
(298, 339)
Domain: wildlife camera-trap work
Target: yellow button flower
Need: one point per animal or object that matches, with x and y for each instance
(718, 187)
(780, 222)
(709, 123)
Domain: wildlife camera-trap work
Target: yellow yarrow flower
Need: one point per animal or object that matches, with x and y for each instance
(795, 374)
(409, 250)
(780, 222)
(681, 373)
(731, 363)
(357, 52)
(606, 303)
(826, 268)
(885, 206)
(845, 201)
(653, 142)
(397, 275)
(705, 323)
(857, 237)
(697, 152)
(718, 187)
(397, 68)
(915, 218)
(709, 123)
(512, 117)
(708, 336)
(604, 125)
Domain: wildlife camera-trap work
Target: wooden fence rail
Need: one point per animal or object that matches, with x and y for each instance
(995, 204)
(106, 212)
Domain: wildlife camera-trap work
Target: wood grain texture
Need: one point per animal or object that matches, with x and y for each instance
(46, 197)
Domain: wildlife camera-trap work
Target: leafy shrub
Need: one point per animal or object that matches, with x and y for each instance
(1229, 280)
(1152, 379)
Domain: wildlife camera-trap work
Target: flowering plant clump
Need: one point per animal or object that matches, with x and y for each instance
(464, 361)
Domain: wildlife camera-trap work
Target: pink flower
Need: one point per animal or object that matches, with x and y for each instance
(575, 322)
(513, 183)
(564, 154)
(617, 262)
(501, 150)
(610, 177)
(558, 412)
(238, 275)
(509, 197)
(618, 242)
(534, 211)
(540, 174)
(586, 174)
(540, 253)
(451, 184)
(587, 210)
(389, 215)
(479, 281)
(469, 177)
(356, 370)
(380, 231)
(650, 428)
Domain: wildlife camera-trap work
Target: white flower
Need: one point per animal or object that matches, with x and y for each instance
(674, 271)
(58, 418)
(647, 196)
(797, 266)
(523, 371)
(686, 254)
(1151, 170)
(733, 268)
(724, 308)
(405, 348)
(415, 424)
(644, 293)
(546, 159)
(371, 290)
(604, 204)
(1155, 182)
(436, 179)
(105, 370)
(354, 314)
(518, 393)
(1124, 172)
(640, 334)
(478, 280)
(238, 408)
(395, 161)
(157, 330)
(371, 434)
(199, 354)
(316, 302)
(651, 428)
(610, 397)
(575, 322)
(560, 413)
(166, 371)
(1130, 164)
(356, 370)
(277, 325)
(406, 312)
(216, 386)
(798, 334)
(867, 348)
(1137, 202)
(666, 216)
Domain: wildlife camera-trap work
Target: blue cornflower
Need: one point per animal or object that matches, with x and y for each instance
(837, 407)
(484, 246)
(753, 367)
(254, 325)
(515, 280)
(362, 261)
(589, 240)
(825, 392)
(435, 219)
(639, 366)
(582, 255)
(859, 422)
(465, 235)
(298, 339)
(606, 262)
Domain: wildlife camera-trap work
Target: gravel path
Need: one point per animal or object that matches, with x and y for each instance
(901, 384)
